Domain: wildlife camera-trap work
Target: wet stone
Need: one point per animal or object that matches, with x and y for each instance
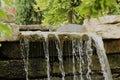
(37, 68)
(112, 45)
(12, 69)
(4, 68)
(10, 50)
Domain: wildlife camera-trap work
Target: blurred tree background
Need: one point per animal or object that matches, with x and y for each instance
(4, 28)
(57, 12)
(25, 13)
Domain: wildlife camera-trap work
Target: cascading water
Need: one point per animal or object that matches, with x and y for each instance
(80, 59)
(74, 55)
(25, 55)
(60, 57)
(102, 57)
(81, 53)
(46, 50)
(89, 52)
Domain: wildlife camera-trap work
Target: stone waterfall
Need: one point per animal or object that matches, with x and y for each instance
(81, 54)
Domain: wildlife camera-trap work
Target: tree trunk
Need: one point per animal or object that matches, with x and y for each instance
(70, 15)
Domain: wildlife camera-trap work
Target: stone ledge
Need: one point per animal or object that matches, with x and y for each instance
(107, 26)
(34, 35)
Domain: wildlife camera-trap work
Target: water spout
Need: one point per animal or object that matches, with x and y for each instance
(102, 57)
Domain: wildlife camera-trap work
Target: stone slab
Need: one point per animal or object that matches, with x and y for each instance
(108, 27)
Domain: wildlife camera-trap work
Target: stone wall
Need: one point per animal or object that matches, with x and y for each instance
(106, 26)
(12, 65)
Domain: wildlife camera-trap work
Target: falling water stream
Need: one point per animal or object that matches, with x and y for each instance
(46, 50)
(81, 61)
(73, 54)
(60, 57)
(81, 52)
(102, 57)
(89, 52)
(84, 50)
(25, 53)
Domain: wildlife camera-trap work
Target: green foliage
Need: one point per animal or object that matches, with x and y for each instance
(56, 11)
(25, 13)
(8, 2)
(0, 3)
(4, 28)
(114, 9)
(2, 14)
(95, 8)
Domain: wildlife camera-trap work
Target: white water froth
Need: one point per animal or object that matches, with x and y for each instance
(81, 60)
(75, 52)
(89, 53)
(102, 57)
(46, 50)
(82, 52)
(60, 57)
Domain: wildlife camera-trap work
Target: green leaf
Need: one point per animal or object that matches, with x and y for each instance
(7, 2)
(5, 30)
(43, 4)
(2, 14)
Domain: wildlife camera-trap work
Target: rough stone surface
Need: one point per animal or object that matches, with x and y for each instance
(11, 69)
(112, 45)
(110, 19)
(108, 26)
(33, 27)
(10, 50)
(14, 36)
(71, 28)
(4, 68)
(37, 68)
